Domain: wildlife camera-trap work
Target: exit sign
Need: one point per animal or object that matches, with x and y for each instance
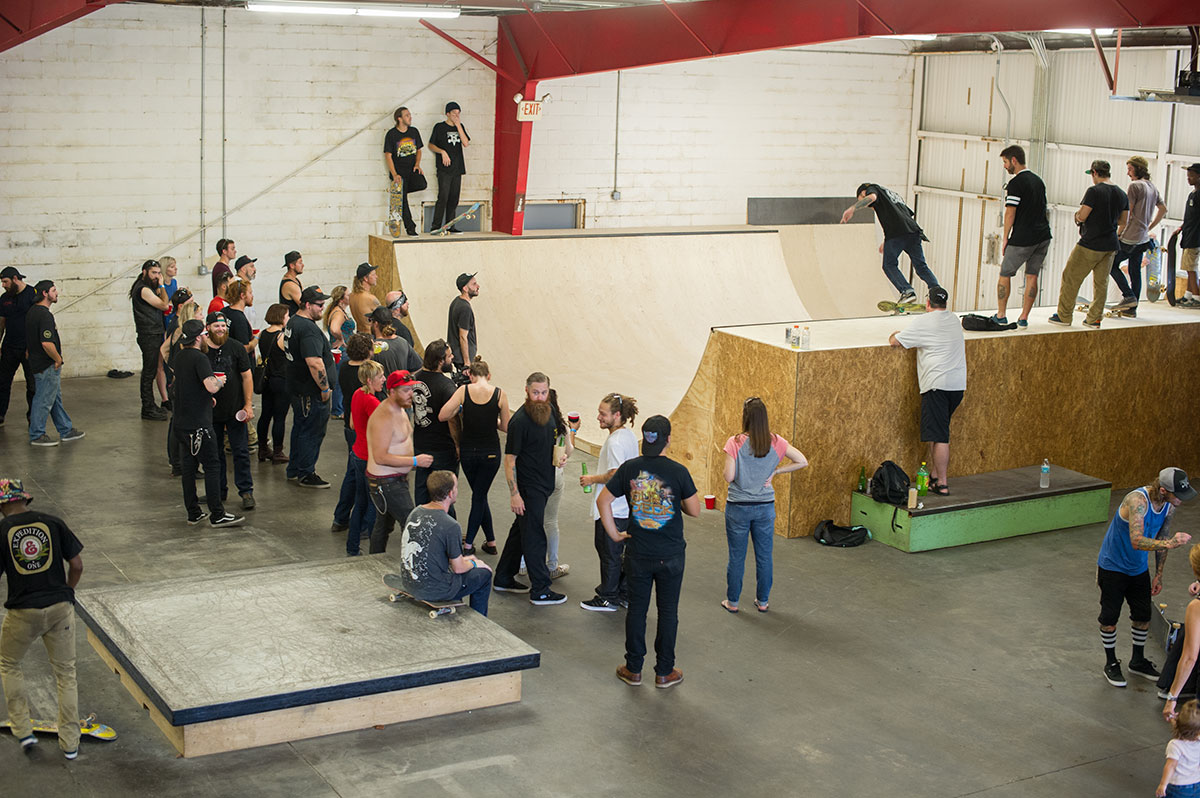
(529, 111)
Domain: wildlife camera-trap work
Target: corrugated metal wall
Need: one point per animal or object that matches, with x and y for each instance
(964, 125)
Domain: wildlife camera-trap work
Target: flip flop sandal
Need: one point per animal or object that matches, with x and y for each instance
(939, 489)
(728, 607)
(762, 607)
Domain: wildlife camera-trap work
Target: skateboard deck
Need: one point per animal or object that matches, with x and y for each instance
(436, 608)
(900, 309)
(469, 213)
(1163, 628)
(1110, 311)
(1171, 250)
(1153, 263)
(395, 220)
(87, 726)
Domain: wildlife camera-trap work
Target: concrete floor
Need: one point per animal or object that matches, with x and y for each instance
(970, 671)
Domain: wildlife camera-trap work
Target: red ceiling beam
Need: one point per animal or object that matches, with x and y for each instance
(22, 20)
(560, 44)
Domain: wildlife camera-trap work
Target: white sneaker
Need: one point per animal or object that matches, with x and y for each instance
(562, 569)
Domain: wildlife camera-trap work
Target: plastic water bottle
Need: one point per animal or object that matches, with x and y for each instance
(1044, 482)
(922, 480)
(794, 340)
(805, 340)
(586, 488)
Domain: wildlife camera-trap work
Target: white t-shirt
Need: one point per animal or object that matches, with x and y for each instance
(620, 446)
(941, 351)
(1187, 752)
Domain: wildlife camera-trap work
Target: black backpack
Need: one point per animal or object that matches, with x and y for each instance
(890, 484)
(977, 323)
(828, 533)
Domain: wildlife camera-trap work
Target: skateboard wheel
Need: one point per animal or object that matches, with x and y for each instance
(393, 598)
(433, 613)
(453, 610)
(1162, 606)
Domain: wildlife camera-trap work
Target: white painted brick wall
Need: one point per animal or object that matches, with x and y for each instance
(100, 143)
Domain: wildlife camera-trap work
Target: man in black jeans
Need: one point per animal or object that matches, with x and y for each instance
(432, 436)
(390, 457)
(149, 303)
(530, 473)
(447, 143)
(309, 382)
(193, 389)
(15, 301)
(658, 490)
(228, 357)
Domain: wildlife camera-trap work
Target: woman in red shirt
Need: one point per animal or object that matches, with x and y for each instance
(362, 405)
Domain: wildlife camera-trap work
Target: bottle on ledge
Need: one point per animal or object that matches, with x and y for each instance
(1044, 482)
(862, 479)
(922, 480)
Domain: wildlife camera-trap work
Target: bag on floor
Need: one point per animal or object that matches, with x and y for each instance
(828, 533)
(889, 484)
(977, 323)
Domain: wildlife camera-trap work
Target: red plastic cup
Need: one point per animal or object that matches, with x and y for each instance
(337, 356)
(710, 502)
(220, 375)
(254, 333)
(573, 418)
(241, 415)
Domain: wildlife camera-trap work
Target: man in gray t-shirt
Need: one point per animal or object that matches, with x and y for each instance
(1146, 210)
(434, 566)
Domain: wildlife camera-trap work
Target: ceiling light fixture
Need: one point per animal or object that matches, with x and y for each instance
(1083, 31)
(337, 9)
(912, 37)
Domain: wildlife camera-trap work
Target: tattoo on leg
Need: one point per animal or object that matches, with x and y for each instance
(1002, 291)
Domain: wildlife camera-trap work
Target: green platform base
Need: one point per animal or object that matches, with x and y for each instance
(999, 504)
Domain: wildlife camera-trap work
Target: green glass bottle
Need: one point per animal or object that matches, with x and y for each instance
(586, 488)
(862, 479)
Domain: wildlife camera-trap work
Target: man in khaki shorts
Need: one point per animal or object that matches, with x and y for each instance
(1189, 239)
(1104, 208)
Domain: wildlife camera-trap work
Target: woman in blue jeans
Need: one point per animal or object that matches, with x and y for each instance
(752, 460)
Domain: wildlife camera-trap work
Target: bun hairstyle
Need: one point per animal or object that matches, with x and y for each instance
(479, 368)
(625, 405)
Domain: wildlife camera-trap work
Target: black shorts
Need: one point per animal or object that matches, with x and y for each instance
(1116, 589)
(936, 409)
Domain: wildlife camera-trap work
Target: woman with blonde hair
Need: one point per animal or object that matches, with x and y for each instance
(339, 326)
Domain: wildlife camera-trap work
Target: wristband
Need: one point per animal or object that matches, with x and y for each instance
(414, 461)
(473, 563)
(1171, 698)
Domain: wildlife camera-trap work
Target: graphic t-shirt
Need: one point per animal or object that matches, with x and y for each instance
(239, 326)
(533, 446)
(1027, 194)
(231, 359)
(431, 538)
(619, 446)
(1189, 237)
(13, 309)
(896, 218)
(403, 149)
(302, 338)
(36, 549)
(462, 317)
(655, 488)
(192, 403)
(431, 436)
(362, 405)
(40, 328)
(1099, 231)
(445, 136)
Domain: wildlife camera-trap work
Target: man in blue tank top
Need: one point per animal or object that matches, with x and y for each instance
(1123, 567)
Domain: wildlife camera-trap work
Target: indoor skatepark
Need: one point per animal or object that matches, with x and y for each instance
(947, 670)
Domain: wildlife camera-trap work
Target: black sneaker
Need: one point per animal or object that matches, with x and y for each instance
(1112, 672)
(228, 519)
(312, 481)
(44, 440)
(598, 604)
(193, 520)
(247, 501)
(907, 297)
(455, 231)
(549, 597)
(515, 587)
(74, 435)
(335, 527)
(1144, 668)
(155, 414)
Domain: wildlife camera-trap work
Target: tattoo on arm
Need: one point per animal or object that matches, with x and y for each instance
(322, 381)
(1160, 559)
(862, 203)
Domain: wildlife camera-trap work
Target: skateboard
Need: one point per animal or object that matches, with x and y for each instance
(87, 726)
(395, 221)
(898, 309)
(436, 608)
(469, 213)
(1110, 311)
(1162, 628)
(1153, 264)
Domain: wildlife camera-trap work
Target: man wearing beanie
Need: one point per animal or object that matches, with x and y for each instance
(447, 143)
(1146, 210)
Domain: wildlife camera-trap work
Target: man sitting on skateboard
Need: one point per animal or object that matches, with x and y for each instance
(42, 562)
(1123, 572)
(434, 566)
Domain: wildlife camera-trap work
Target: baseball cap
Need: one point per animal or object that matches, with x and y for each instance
(381, 315)
(291, 258)
(11, 490)
(655, 432)
(399, 301)
(1176, 481)
(242, 261)
(364, 269)
(938, 295)
(463, 279)
(1139, 161)
(181, 296)
(1194, 168)
(9, 272)
(400, 379)
(312, 294)
(452, 106)
(41, 288)
(192, 329)
(1100, 167)
(215, 317)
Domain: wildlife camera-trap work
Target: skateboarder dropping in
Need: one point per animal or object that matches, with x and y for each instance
(1139, 527)
(41, 605)
(390, 457)
(448, 141)
(901, 233)
(1146, 210)
(402, 156)
(1026, 234)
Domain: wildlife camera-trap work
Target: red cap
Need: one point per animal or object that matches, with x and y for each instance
(400, 379)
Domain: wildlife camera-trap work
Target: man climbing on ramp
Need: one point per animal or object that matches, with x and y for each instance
(901, 233)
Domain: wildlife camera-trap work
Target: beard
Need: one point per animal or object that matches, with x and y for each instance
(216, 340)
(447, 368)
(539, 412)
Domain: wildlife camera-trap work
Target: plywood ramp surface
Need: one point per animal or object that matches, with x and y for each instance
(624, 312)
(836, 268)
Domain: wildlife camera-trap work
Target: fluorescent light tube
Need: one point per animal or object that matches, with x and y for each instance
(349, 10)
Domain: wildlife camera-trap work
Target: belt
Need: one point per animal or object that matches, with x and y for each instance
(387, 478)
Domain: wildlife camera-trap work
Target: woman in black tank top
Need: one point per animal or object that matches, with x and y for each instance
(485, 413)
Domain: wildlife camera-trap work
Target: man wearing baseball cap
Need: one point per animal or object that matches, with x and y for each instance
(1189, 239)
(233, 410)
(447, 143)
(390, 458)
(1146, 210)
(15, 301)
(1103, 210)
(289, 287)
(309, 381)
(460, 327)
(43, 564)
(44, 349)
(362, 300)
(659, 492)
(941, 376)
(1140, 526)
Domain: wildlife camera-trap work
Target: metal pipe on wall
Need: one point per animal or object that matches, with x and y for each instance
(224, 233)
(1000, 91)
(616, 192)
(203, 40)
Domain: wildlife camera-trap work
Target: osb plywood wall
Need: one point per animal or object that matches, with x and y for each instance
(1117, 404)
(381, 252)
